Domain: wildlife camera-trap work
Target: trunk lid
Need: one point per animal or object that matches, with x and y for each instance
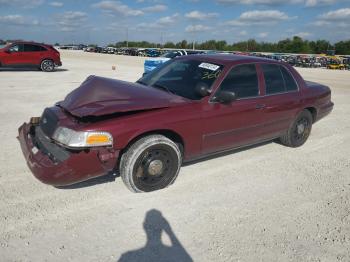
(98, 96)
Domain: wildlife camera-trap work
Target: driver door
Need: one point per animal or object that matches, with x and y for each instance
(14, 56)
(238, 123)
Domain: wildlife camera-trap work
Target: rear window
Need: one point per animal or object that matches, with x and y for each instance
(288, 80)
(33, 48)
(277, 79)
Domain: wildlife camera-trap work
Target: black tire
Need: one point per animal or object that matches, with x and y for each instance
(299, 131)
(150, 164)
(47, 65)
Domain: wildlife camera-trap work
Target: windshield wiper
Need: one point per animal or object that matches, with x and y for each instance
(141, 82)
(159, 86)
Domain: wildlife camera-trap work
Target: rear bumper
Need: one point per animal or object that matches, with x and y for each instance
(325, 110)
(58, 63)
(79, 166)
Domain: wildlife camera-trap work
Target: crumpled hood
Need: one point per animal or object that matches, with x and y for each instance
(98, 96)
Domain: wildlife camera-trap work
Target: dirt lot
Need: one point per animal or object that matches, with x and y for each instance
(268, 203)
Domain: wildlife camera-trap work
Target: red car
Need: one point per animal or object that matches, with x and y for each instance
(188, 108)
(30, 54)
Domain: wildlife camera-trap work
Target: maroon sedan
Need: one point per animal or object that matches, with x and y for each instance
(190, 107)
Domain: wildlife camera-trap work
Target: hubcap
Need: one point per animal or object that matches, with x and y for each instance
(155, 168)
(300, 128)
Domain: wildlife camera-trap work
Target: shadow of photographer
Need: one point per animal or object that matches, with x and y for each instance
(154, 250)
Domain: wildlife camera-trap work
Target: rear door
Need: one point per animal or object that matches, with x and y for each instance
(281, 100)
(34, 54)
(239, 123)
(15, 56)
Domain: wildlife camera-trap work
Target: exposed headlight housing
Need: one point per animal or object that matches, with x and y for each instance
(71, 138)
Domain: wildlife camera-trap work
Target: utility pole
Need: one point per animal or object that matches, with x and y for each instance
(127, 37)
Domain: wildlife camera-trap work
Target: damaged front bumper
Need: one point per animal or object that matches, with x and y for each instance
(55, 165)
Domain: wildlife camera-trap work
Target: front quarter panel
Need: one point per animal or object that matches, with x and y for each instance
(183, 120)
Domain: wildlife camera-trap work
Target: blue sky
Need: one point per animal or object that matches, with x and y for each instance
(106, 22)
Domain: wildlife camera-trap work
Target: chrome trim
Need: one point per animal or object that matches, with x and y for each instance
(259, 96)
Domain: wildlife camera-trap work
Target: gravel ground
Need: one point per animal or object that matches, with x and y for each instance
(267, 203)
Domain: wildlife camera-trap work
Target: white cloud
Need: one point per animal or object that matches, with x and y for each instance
(160, 23)
(196, 28)
(319, 2)
(12, 19)
(17, 20)
(303, 34)
(309, 3)
(117, 7)
(56, 4)
(70, 20)
(263, 34)
(336, 18)
(168, 20)
(155, 8)
(342, 14)
(257, 17)
(198, 15)
(22, 3)
(243, 33)
(259, 2)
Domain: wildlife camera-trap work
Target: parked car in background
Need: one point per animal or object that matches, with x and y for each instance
(188, 108)
(152, 63)
(30, 54)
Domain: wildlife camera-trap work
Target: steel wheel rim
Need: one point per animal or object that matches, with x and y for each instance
(302, 129)
(162, 175)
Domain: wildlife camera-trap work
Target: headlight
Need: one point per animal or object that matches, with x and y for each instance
(73, 138)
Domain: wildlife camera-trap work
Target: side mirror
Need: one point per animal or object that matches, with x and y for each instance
(202, 89)
(225, 97)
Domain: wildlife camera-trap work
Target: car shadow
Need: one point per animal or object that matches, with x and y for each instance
(19, 69)
(154, 250)
(112, 176)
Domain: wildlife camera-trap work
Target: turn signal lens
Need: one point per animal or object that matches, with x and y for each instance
(98, 139)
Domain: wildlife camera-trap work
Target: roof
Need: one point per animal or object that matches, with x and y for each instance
(28, 42)
(227, 58)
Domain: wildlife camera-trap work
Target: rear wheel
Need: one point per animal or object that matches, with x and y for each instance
(299, 131)
(150, 164)
(47, 65)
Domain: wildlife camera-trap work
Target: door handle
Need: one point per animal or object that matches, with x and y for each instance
(260, 106)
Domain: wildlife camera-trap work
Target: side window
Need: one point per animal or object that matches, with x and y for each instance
(16, 48)
(33, 48)
(288, 80)
(242, 80)
(41, 48)
(273, 79)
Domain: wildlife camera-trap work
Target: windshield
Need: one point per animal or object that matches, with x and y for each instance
(183, 77)
(5, 45)
(170, 55)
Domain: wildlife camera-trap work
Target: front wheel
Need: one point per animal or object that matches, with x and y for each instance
(299, 131)
(150, 164)
(47, 65)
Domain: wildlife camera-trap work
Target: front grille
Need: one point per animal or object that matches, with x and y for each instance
(48, 122)
(55, 152)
